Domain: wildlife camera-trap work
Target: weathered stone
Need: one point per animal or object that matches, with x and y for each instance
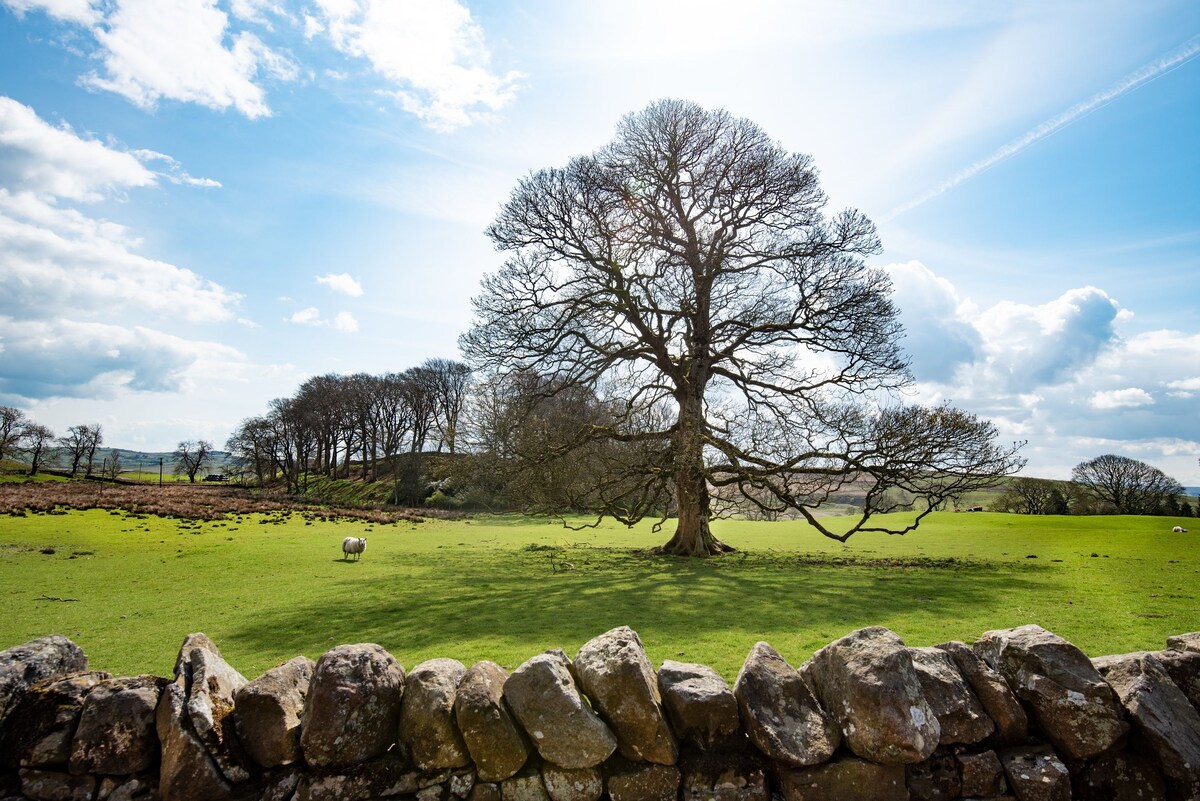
(1121, 777)
(525, 785)
(779, 712)
(267, 712)
(135, 788)
(485, 791)
(845, 779)
(39, 728)
(1165, 724)
(723, 776)
(1036, 774)
(640, 781)
(461, 782)
(492, 736)
(935, 779)
(384, 777)
(183, 660)
(428, 732)
(281, 784)
(22, 666)
(867, 683)
(959, 713)
(699, 703)
(353, 705)
(1185, 642)
(1184, 669)
(116, 734)
(982, 775)
(614, 672)
(210, 691)
(572, 784)
(1072, 704)
(47, 785)
(546, 701)
(187, 772)
(994, 694)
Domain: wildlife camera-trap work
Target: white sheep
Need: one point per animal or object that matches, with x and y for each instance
(1179, 530)
(353, 545)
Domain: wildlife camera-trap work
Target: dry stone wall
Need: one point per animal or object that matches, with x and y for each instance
(1022, 714)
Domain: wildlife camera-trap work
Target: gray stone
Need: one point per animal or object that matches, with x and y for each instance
(183, 660)
(210, 690)
(427, 729)
(135, 788)
(1184, 669)
(492, 736)
(982, 775)
(993, 692)
(561, 724)
(1164, 723)
(572, 784)
(485, 791)
(187, 772)
(22, 666)
(384, 777)
(353, 705)
(700, 705)
(867, 683)
(47, 785)
(1072, 704)
(615, 673)
(640, 781)
(723, 776)
(267, 712)
(116, 734)
(281, 784)
(1185, 642)
(1036, 774)
(526, 785)
(1121, 777)
(779, 712)
(935, 779)
(959, 713)
(39, 729)
(845, 779)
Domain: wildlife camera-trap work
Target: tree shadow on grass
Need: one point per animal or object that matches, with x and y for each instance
(502, 604)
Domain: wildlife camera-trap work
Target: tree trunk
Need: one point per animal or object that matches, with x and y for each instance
(693, 537)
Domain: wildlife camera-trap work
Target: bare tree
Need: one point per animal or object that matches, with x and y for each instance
(448, 382)
(94, 437)
(36, 440)
(80, 445)
(12, 426)
(1128, 486)
(1032, 496)
(686, 272)
(110, 467)
(191, 456)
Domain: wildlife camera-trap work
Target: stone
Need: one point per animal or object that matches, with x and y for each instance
(210, 692)
(383, 777)
(353, 705)
(1165, 724)
(959, 713)
(525, 785)
(183, 661)
(935, 779)
(994, 694)
(485, 791)
(461, 782)
(1121, 777)
(1184, 669)
(723, 776)
(1071, 703)
(22, 666)
(48, 785)
(640, 781)
(116, 734)
(614, 672)
(572, 784)
(135, 788)
(187, 772)
(493, 738)
(1036, 773)
(982, 775)
(844, 779)
(1185, 642)
(700, 705)
(867, 683)
(546, 701)
(268, 710)
(779, 712)
(39, 728)
(427, 730)
(280, 784)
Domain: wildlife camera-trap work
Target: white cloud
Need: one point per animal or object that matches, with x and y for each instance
(309, 316)
(939, 335)
(342, 283)
(257, 11)
(1127, 398)
(175, 49)
(345, 322)
(432, 50)
(82, 12)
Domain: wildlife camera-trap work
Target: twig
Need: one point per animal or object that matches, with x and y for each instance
(44, 597)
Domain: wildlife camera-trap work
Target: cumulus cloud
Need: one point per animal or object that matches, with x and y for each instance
(82, 12)
(343, 321)
(431, 50)
(342, 283)
(1121, 398)
(309, 316)
(939, 336)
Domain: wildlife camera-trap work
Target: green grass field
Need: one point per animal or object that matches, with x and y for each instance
(267, 588)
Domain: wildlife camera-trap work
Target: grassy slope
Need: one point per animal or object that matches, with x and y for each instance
(497, 588)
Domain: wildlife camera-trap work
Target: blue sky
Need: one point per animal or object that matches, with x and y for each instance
(203, 203)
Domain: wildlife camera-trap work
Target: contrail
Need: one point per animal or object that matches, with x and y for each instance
(1144, 74)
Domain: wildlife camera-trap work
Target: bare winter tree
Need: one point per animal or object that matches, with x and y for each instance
(687, 272)
(80, 445)
(1130, 486)
(36, 442)
(191, 456)
(12, 425)
(1032, 496)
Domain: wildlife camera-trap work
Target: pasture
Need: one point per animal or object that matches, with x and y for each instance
(267, 587)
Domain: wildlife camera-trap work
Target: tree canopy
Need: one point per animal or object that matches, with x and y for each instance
(687, 276)
(1129, 486)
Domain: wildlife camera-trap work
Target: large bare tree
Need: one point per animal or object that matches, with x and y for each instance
(687, 272)
(1129, 486)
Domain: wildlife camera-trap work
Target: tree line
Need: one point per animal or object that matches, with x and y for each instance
(25, 438)
(1107, 484)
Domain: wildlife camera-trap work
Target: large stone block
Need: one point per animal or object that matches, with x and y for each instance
(997, 698)
(353, 705)
(39, 729)
(1120, 777)
(779, 712)
(22, 666)
(700, 705)
(1036, 774)
(116, 734)
(572, 784)
(723, 776)
(640, 781)
(267, 712)
(428, 732)
(845, 779)
(48, 785)
(494, 739)
(959, 713)
(187, 772)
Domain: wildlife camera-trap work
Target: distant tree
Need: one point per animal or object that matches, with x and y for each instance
(1032, 496)
(110, 467)
(79, 445)
(95, 438)
(687, 277)
(35, 444)
(1127, 486)
(191, 456)
(448, 382)
(12, 426)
